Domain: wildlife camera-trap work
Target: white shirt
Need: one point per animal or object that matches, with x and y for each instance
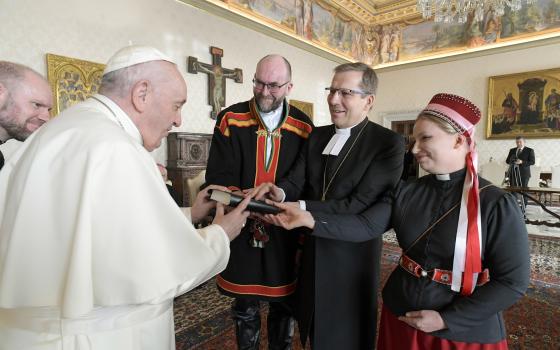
(271, 121)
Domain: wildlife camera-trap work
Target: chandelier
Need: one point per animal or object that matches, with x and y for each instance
(448, 10)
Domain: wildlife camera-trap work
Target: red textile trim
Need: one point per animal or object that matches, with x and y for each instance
(395, 334)
(242, 117)
(437, 275)
(263, 174)
(242, 123)
(472, 254)
(459, 104)
(297, 126)
(295, 130)
(237, 119)
(255, 289)
(234, 188)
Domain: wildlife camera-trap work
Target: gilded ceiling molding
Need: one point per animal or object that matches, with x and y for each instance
(336, 10)
(357, 10)
(399, 15)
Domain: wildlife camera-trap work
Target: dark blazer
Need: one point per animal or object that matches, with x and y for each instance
(527, 156)
(337, 287)
(1, 160)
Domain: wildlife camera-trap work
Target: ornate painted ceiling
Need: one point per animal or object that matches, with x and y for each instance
(386, 33)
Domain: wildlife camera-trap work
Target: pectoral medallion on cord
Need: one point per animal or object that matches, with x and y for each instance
(260, 236)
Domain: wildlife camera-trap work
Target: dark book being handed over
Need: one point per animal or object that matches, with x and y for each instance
(232, 200)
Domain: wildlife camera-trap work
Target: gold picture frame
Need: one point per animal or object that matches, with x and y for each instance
(524, 104)
(72, 80)
(305, 107)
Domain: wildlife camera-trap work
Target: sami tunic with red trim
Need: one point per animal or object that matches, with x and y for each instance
(410, 210)
(238, 160)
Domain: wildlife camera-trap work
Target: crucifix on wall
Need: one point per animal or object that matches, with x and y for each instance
(216, 78)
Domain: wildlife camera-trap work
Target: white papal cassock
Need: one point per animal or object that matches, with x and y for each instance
(92, 247)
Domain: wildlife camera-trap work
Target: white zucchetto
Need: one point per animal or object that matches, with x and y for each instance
(132, 55)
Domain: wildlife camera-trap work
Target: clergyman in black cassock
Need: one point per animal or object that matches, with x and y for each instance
(338, 282)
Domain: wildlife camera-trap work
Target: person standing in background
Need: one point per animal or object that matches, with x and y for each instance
(520, 159)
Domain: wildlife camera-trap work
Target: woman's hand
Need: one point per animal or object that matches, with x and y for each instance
(425, 320)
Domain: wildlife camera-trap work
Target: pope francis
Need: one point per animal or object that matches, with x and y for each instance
(92, 247)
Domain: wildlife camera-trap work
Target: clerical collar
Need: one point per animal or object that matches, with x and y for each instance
(338, 140)
(456, 175)
(120, 117)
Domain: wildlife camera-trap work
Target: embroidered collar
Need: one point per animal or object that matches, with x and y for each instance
(254, 109)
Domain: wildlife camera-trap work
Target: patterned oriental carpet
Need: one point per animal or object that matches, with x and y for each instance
(203, 322)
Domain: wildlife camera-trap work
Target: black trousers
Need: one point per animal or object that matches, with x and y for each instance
(247, 319)
(518, 180)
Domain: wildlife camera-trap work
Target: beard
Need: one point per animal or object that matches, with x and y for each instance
(268, 103)
(9, 122)
(17, 132)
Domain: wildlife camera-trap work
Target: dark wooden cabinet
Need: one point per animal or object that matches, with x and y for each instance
(187, 154)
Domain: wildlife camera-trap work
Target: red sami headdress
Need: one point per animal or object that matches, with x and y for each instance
(463, 115)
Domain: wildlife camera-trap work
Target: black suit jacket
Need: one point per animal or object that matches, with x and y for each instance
(527, 157)
(337, 287)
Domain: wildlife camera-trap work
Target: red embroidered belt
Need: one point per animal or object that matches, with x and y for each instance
(437, 275)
